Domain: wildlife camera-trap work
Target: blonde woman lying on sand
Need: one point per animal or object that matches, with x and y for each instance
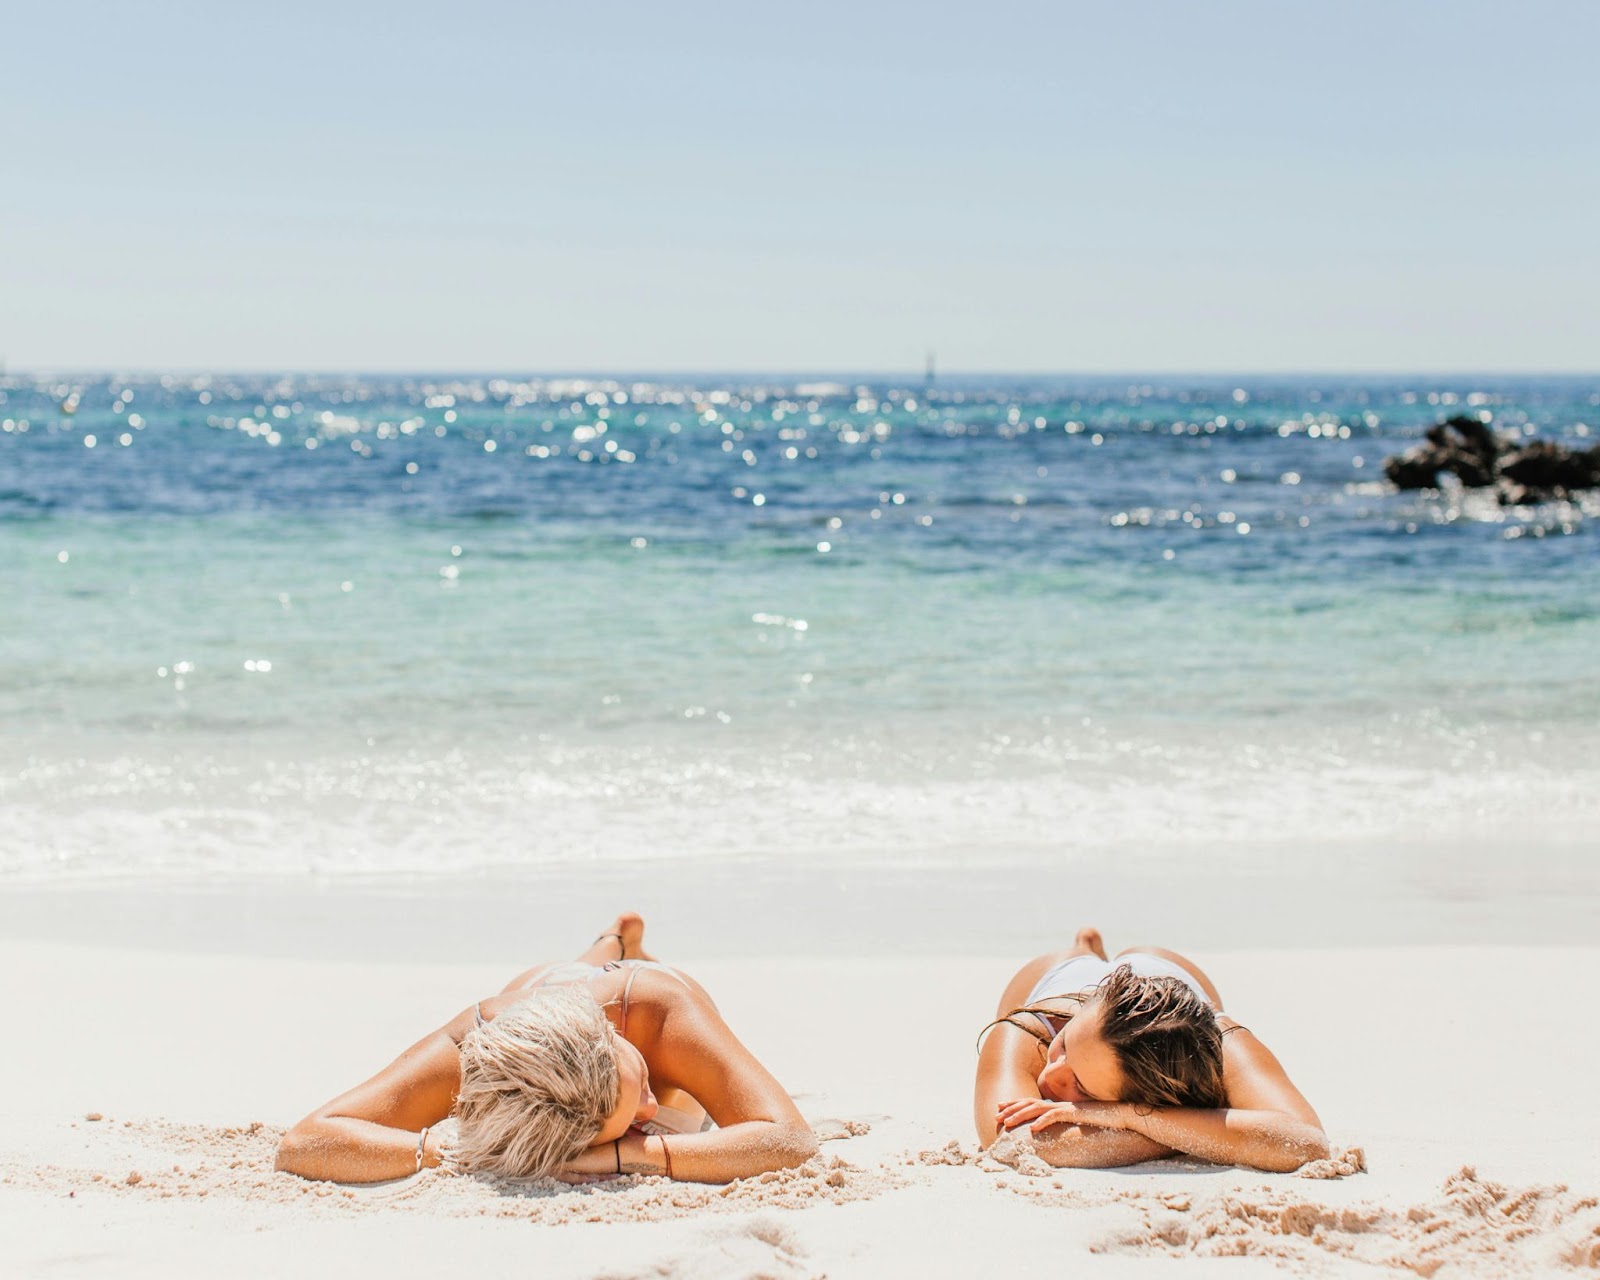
(1115, 1063)
(559, 1075)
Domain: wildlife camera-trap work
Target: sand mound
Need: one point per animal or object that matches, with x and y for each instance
(835, 1130)
(158, 1159)
(1473, 1226)
(1342, 1164)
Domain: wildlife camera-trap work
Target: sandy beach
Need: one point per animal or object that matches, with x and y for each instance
(143, 1099)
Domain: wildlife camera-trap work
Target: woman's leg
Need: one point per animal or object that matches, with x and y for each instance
(1087, 943)
(1184, 963)
(623, 939)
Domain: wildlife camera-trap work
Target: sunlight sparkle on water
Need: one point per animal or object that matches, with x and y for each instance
(779, 620)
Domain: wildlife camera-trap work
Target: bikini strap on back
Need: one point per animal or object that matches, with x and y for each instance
(627, 989)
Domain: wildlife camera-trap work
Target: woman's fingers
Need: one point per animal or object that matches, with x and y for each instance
(1102, 1115)
(1067, 1114)
(1014, 1113)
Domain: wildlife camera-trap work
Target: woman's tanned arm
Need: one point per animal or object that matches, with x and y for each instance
(370, 1134)
(759, 1127)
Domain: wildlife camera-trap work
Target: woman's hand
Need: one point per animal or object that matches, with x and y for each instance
(1046, 1114)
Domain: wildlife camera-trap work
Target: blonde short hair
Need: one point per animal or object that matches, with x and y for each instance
(537, 1083)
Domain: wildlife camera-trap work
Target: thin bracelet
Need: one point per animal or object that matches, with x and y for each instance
(666, 1154)
(421, 1138)
(616, 1144)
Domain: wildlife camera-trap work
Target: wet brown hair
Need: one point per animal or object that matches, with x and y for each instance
(1164, 1033)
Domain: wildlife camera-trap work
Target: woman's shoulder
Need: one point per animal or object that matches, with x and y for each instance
(658, 995)
(485, 1010)
(659, 984)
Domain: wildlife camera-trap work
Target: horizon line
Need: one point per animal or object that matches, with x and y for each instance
(619, 371)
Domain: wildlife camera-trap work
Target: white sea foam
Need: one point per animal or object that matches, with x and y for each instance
(230, 809)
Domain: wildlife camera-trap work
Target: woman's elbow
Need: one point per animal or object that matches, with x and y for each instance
(1297, 1150)
(295, 1151)
(778, 1146)
(289, 1151)
(786, 1146)
(799, 1144)
(1314, 1146)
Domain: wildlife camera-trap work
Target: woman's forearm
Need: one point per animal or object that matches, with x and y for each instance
(1267, 1140)
(343, 1149)
(738, 1151)
(1073, 1146)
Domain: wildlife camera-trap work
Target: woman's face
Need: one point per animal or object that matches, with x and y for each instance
(1079, 1065)
(635, 1103)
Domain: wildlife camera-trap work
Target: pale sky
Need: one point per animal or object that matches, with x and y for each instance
(1380, 185)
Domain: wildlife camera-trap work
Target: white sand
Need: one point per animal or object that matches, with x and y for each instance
(1465, 1075)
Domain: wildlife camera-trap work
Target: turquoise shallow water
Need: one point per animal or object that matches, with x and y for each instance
(485, 623)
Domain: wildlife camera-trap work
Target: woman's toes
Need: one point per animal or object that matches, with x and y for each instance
(630, 924)
(1089, 937)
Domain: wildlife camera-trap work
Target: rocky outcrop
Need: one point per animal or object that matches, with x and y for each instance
(1479, 458)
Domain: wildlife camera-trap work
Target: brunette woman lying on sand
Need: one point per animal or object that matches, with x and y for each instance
(559, 1075)
(1118, 1062)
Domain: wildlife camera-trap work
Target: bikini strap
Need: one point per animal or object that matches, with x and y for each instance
(627, 989)
(477, 1012)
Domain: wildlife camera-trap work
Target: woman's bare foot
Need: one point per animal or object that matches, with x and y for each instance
(627, 930)
(1089, 938)
(623, 939)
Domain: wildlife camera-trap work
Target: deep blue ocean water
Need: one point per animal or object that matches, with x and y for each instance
(380, 624)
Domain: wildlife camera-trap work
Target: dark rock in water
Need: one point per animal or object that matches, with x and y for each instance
(1462, 446)
(1465, 448)
(1465, 433)
(1542, 465)
(1414, 470)
(1469, 449)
